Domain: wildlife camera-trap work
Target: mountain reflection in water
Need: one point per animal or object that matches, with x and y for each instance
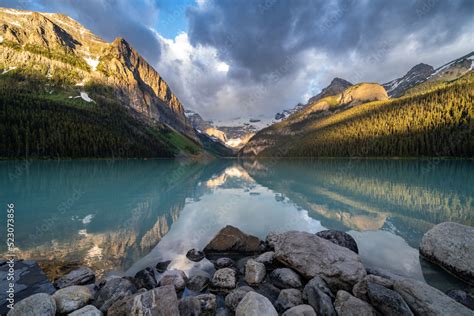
(126, 215)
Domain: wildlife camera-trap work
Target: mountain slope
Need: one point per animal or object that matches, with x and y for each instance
(415, 75)
(68, 61)
(434, 123)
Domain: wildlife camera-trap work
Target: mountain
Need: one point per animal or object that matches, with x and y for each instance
(454, 69)
(336, 86)
(415, 75)
(432, 122)
(61, 62)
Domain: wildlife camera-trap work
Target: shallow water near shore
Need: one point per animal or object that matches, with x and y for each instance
(126, 215)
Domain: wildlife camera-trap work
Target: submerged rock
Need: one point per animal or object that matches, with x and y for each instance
(162, 266)
(348, 305)
(37, 304)
(339, 238)
(235, 296)
(451, 246)
(300, 310)
(254, 272)
(426, 300)
(285, 278)
(195, 255)
(254, 304)
(232, 241)
(462, 297)
(71, 298)
(319, 296)
(311, 255)
(177, 278)
(88, 310)
(287, 299)
(80, 276)
(386, 301)
(224, 279)
(113, 290)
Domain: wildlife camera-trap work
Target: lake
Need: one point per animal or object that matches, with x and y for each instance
(125, 215)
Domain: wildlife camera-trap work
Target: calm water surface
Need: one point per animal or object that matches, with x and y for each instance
(126, 215)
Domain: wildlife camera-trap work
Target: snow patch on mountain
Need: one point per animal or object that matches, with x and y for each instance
(92, 62)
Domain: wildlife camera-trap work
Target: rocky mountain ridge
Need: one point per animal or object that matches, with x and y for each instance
(60, 49)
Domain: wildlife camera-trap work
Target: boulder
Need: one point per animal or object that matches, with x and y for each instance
(266, 258)
(29, 280)
(235, 296)
(195, 255)
(208, 303)
(267, 289)
(319, 296)
(162, 266)
(462, 297)
(71, 298)
(451, 246)
(197, 283)
(159, 301)
(300, 310)
(386, 301)
(189, 306)
(360, 289)
(112, 291)
(311, 255)
(348, 305)
(254, 304)
(426, 300)
(146, 279)
(37, 304)
(80, 276)
(287, 299)
(177, 278)
(232, 241)
(285, 278)
(224, 263)
(88, 310)
(224, 279)
(254, 272)
(339, 238)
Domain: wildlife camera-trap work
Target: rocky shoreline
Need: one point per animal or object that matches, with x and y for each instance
(291, 273)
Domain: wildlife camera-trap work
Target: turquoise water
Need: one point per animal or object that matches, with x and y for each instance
(125, 215)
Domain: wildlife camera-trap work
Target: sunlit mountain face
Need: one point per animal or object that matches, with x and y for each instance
(165, 208)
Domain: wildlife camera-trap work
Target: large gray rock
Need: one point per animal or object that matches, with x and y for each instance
(161, 301)
(311, 255)
(88, 310)
(146, 279)
(339, 238)
(266, 258)
(285, 278)
(224, 279)
(360, 289)
(29, 280)
(232, 241)
(80, 276)
(40, 304)
(177, 278)
(71, 298)
(462, 297)
(348, 305)
(426, 300)
(113, 291)
(254, 272)
(319, 296)
(287, 299)
(386, 301)
(254, 304)
(235, 296)
(300, 310)
(451, 245)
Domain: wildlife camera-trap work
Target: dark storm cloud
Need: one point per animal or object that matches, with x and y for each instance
(258, 36)
(107, 18)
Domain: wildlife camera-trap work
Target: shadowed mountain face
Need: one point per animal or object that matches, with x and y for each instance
(419, 73)
(59, 49)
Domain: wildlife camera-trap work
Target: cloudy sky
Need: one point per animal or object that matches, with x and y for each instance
(253, 58)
